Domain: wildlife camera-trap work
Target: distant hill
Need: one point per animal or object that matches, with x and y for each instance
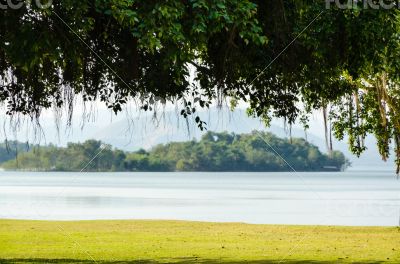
(213, 152)
(145, 133)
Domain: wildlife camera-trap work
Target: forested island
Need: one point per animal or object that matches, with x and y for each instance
(214, 152)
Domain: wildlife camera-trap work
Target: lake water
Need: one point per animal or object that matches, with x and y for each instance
(363, 198)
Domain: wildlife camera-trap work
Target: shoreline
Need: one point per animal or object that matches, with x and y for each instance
(190, 221)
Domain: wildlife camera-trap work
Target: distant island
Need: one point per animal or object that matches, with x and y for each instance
(254, 152)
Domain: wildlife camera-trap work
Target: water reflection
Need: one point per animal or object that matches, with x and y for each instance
(352, 198)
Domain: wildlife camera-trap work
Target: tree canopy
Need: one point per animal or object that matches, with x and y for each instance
(214, 152)
(285, 58)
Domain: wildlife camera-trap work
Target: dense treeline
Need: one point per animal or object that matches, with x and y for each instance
(214, 152)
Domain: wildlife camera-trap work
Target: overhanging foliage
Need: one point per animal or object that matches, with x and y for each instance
(115, 50)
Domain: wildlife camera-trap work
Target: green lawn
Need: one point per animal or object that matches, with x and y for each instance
(192, 242)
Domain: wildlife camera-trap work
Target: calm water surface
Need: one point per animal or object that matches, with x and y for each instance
(367, 198)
